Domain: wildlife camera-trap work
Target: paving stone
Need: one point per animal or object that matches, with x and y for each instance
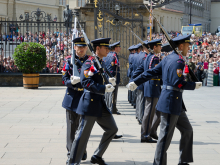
(33, 129)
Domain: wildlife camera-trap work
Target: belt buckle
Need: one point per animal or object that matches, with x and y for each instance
(80, 89)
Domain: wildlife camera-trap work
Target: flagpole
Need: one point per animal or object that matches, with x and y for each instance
(150, 20)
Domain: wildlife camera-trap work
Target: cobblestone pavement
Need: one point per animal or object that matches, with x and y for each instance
(33, 129)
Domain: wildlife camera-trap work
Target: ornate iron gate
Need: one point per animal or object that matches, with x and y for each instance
(36, 27)
(111, 18)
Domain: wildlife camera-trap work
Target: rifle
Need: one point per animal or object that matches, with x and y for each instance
(173, 45)
(94, 55)
(74, 35)
(141, 41)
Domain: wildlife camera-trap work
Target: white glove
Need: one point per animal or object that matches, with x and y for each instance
(109, 88)
(131, 86)
(198, 85)
(75, 80)
(112, 80)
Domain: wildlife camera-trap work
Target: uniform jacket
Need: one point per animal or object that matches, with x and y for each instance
(113, 66)
(92, 101)
(133, 65)
(152, 87)
(138, 62)
(130, 65)
(72, 96)
(171, 68)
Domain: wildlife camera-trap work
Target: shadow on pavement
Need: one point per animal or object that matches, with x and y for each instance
(127, 162)
(61, 88)
(196, 143)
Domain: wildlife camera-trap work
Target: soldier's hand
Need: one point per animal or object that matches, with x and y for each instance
(198, 85)
(131, 86)
(109, 88)
(74, 80)
(112, 81)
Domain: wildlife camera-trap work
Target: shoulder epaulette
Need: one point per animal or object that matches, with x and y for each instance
(91, 58)
(180, 61)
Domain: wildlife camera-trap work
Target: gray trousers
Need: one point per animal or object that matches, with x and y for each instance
(111, 99)
(129, 95)
(149, 115)
(107, 123)
(72, 121)
(140, 104)
(108, 100)
(168, 124)
(134, 97)
(114, 99)
(155, 124)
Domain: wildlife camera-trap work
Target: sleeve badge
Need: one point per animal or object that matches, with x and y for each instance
(179, 72)
(86, 73)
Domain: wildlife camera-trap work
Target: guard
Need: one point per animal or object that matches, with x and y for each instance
(73, 92)
(138, 49)
(140, 101)
(151, 91)
(170, 103)
(113, 65)
(92, 107)
(132, 51)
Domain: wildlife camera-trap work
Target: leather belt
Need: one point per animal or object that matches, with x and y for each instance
(155, 79)
(172, 88)
(78, 89)
(95, 93)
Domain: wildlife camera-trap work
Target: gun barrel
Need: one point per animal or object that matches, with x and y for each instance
(172, 44)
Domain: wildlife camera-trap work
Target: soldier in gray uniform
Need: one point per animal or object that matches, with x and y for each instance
(92, 107)
(171, 104)
(151, 91)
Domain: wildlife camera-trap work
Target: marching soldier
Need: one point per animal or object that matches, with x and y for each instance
(113, 65)
(140, 89)
(109, 95)
(132, 51)
(73, 92)
(138, 49)
(92, 107)
(170, 103)
(151, 90)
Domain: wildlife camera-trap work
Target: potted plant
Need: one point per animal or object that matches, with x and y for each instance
(30, 58)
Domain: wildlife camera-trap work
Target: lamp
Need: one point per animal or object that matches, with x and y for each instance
(117, 9)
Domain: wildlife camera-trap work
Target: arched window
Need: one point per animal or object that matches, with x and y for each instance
(81, 3)
(63, 2)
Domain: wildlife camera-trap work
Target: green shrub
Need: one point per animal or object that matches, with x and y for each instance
(30, 57)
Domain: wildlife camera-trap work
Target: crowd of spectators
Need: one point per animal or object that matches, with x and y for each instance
(203, 51)
(56, 43)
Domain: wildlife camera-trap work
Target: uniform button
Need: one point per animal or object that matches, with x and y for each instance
(156, 84)
(91, 99)
(68, 93)
(82, 61)
(176, 97)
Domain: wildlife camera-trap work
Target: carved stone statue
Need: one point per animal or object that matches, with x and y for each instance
(68, 16)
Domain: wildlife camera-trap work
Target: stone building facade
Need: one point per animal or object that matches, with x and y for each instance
(12, 9)
(215, 15)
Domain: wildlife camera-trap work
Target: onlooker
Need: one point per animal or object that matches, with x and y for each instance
(215, 74)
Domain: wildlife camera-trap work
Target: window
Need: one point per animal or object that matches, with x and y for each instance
(63, 2)
(81, 3)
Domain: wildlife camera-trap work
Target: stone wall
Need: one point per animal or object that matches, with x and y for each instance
(17, 80)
